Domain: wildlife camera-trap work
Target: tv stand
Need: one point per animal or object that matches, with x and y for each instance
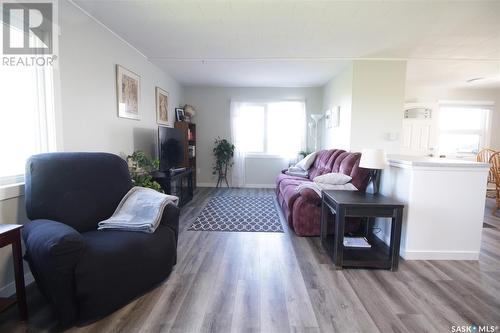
(178, 183)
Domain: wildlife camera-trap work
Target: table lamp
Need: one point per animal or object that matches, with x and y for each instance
(375, 160)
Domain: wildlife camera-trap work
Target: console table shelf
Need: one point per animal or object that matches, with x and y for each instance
(344, 204)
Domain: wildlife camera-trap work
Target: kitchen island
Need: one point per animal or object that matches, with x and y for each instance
(444, 206)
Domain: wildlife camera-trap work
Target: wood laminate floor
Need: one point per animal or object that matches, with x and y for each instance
(270, 282)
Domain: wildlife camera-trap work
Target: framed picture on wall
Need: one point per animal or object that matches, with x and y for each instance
(179, 114)
(328, 118)
(128, 86)
(161, 106)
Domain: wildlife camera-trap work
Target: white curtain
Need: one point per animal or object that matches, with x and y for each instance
(27, 114)
(237, 138)
(276, 129)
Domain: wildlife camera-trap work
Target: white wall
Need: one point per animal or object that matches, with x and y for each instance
(338, 93)
(88, 54)
(377, 104)
(431, 95)
(212, 120)
(371, 98)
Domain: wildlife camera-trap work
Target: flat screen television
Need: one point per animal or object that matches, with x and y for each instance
(170, 146)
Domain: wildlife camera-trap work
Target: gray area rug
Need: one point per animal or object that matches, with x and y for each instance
(239, 213)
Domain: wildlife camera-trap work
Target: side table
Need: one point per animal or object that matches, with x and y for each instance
(10, 234)
(358, 204)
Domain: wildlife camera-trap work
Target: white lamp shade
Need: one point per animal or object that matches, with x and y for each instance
(373, 159)
(316, 116)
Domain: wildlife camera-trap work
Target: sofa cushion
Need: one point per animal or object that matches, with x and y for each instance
(283, 176)
(321, 164)
(288, 188)
(333, 178)
(138, 260)
(307, 161)
(77, 189)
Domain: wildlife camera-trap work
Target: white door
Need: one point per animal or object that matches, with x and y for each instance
(416, 136)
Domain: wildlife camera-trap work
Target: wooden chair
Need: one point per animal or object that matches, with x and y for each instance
(495, 170)
(484, 156)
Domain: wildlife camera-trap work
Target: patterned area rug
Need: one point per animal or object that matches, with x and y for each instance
(239, 213)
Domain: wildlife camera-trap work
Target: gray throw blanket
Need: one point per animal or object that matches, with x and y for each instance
(140, 210)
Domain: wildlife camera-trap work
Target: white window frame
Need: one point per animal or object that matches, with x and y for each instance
(265, 153)
(484, 133)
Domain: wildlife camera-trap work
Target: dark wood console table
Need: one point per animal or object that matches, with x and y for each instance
(179, 184)
(358, 204)
(10, 234)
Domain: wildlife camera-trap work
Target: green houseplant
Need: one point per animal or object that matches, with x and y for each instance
(223, 153)
(141, 167)
(304, 153)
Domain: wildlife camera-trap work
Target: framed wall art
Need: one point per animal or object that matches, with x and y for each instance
(161, 106)
(128, 86)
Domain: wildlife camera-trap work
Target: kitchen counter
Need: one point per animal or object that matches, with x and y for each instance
(433, 162)
(444, 206)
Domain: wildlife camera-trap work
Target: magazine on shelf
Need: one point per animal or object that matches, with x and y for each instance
(360, 242)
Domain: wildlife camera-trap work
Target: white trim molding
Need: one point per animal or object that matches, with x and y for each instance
(11, 191)
(439, 255)
(108, 29)
(10, 288)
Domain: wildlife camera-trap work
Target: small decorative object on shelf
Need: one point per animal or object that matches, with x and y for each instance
(179, 114)
(189, 146)
(223, 152)
(192, 151)
(189, 112)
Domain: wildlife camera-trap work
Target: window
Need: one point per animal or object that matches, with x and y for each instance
(462, 129)
(26, 117)
(276, 128)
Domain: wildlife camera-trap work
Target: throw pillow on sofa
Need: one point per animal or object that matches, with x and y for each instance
(333, 178)
(307, 161)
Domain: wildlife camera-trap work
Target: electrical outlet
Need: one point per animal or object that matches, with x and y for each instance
(198, 171)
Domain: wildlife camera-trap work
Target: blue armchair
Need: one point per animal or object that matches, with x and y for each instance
(84, 273)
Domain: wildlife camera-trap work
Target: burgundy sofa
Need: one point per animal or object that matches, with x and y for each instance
(303, 210)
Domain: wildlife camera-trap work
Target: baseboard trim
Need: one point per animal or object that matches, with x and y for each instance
(10, 289)
(205, 184)
(439, 255)
(244, 186)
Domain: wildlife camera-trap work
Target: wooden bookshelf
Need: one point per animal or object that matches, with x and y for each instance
(189, 130)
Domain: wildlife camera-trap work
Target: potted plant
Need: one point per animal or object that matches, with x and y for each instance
(223, 153)
(141, 167)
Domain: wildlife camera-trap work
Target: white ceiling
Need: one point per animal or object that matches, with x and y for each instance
(304, 43)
